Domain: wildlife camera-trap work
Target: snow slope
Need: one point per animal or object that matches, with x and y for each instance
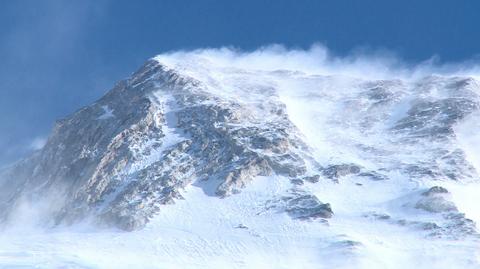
(203, 231)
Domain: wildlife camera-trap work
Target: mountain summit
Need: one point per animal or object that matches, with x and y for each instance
(335, 154)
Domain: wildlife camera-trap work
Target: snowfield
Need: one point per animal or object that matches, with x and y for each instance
(407, 139)
(236, 232)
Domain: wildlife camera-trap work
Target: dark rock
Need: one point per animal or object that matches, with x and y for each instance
(373, 175)
(435, 190)
(434, 201)
(435, 119)
(241, 226)
(296, 181)
(312, 179)
(340, 170)
(308, 207)
(346, 244)
(377, 216)
(381, 216)
(436, 205)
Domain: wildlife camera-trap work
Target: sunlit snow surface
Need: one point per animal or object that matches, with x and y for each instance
(324, 100)
(202, 232)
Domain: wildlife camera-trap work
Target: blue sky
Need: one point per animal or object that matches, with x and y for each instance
(60, 55)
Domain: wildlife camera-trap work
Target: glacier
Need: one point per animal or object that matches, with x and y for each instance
(268, 159)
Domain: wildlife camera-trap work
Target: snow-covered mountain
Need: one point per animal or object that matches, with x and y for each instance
(215, 162)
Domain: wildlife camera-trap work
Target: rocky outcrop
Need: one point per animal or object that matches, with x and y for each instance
(340, 170)
(441, 217)
(123, 157)
(307, 206)
(434, 201)
(302, 205)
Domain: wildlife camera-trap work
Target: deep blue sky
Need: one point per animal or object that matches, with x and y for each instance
(57, 56)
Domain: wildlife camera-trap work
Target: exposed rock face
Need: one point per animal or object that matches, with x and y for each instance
(299, 204)
(307, 207)
(340, 170)
(447, 222)
(455, 224)
(133, 150)
(434, 200)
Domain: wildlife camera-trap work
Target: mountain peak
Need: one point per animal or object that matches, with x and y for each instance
(327, 149)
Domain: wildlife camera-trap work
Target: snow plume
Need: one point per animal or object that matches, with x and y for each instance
(318, 60)
(38, 143)
(350, 110)
(313, 83)
(31, 212)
